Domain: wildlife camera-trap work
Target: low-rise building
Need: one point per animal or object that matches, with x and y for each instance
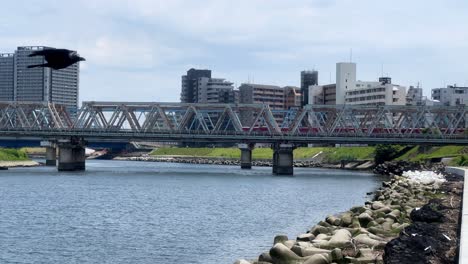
(382, 92)
(348, 90)
(451, 96)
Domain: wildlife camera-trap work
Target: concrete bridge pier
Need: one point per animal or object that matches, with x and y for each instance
(283, 160)
(71, 155)
(51, 156)
(246, 155)
(51, 152)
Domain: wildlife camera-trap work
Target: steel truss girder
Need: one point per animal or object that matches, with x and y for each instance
(438, 122)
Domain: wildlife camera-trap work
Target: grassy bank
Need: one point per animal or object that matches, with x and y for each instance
(329, 154)
(12, 155)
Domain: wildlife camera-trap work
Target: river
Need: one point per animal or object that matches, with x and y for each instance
(144, 212)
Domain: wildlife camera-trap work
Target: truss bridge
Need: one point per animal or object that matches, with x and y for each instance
(245, 124)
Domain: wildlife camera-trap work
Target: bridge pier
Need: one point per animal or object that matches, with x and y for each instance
(246, 155)
(51, 156)
(283, 160)
(51, 152)
(71, 155)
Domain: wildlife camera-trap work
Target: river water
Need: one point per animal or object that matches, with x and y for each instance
(143, 212)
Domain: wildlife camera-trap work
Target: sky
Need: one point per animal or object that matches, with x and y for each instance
(137, 50)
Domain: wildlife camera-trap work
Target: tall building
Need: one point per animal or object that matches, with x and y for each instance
(7, 76)
(38, 84)
(308, 78)
(451, 96)
(345, 79)
(212, 90)
(189, 93)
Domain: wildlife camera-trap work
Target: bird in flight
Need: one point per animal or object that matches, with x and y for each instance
(56, 58)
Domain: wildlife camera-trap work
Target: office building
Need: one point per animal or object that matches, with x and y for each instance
(190, 84)
(451, 96)
(308, 78)
(7, 76)
(38, 84)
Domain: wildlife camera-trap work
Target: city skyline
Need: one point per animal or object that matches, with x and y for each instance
(138, 50)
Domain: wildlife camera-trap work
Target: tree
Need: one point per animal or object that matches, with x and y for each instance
(384, 153)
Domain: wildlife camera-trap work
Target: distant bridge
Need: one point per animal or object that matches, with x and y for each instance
(240, 123)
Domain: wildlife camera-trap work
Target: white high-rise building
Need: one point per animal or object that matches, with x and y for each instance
(345, 80)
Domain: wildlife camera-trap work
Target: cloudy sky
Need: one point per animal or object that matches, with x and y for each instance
(137, 50)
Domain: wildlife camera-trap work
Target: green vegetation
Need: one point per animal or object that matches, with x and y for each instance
(332, 155)
(34, 150)
(335, 155)
(460, 161)
(379, 153)
(385, 153)
(12, 155)
(427, 153)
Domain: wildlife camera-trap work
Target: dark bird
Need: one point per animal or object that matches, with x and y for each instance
(56, 58)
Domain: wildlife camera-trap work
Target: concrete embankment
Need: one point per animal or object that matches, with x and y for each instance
(357, 165)
(382, 230)
(22, 163)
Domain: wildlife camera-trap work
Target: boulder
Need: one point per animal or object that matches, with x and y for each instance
(319, 259)
(265, 257)
(280, 254)
(346, 219)
(305, 237)
(364, 219)
(372, 243)
(319, 230)
(337, 255)
(341, 239)
(280, 238)
(309, 251)
(333, 220)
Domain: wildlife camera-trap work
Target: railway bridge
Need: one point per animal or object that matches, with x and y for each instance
(244, 124)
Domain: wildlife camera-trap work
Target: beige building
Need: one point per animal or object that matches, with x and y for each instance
(292, 97)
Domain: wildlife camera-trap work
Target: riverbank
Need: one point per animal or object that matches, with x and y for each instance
(413, 218)
(10, 158)
(356, 165)
(21, 163)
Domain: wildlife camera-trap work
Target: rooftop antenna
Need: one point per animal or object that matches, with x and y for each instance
(351, 55)
(382, 70)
